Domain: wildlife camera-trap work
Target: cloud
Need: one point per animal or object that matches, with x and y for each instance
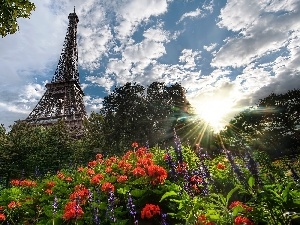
(260, 32)
(191, 14)
(133, 12)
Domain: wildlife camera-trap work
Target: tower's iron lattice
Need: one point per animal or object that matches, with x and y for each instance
(63, 98)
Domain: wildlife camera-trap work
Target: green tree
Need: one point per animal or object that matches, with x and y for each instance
(272, 125)
(10, 11)
(136, 113)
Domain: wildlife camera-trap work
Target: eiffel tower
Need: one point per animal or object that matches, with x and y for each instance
(63, 99)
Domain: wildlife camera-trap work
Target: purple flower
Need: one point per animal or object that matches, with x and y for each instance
(54, 205)
(163, 219)
(110, 208)
(131, 208)
(252, 167)
(235, 168)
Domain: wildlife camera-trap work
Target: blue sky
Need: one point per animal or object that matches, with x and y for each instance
(227, 54)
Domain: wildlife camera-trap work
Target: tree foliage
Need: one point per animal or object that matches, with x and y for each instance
(135, 113)
(272, 125)
(10, 11)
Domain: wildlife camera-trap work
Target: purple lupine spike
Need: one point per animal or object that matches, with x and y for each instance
(55, 205)
(253, 168)
(110, 207)
(163, 219)
(90, 196)
(171, 165)
(235, 168)
(96, 216)
(178, 148)
(131, 208)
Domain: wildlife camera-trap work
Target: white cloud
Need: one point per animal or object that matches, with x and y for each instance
(191, 14)
(210, 47)
(133, 12)
(188, 58)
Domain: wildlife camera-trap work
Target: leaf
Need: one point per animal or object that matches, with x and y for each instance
(230, 194)
(251, 182)
(168, 194)
(137, 193)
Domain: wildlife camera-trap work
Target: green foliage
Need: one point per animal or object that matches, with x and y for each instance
(226, 200)
(272, 125)
(10, 11)
(133, 112)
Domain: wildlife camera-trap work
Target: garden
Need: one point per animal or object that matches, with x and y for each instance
(175, 185)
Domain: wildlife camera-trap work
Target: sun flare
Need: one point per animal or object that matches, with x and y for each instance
(213, 111)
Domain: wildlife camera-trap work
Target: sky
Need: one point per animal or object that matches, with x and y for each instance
(226, 54)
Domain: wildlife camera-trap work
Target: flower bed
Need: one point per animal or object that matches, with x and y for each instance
(154, 186)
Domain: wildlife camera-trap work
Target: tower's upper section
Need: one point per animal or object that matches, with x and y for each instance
(67, 68)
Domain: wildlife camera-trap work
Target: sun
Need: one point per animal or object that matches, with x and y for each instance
(213, 111)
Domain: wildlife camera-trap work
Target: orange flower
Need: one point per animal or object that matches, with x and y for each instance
(1, 208)
(196, 179)
(202, 220)
(48, 191)
(92, 163)
(60, 175)
(181, 167)
(221, 166)
(96, 179)
(108, 169)
(139, 172)
(99, 156)
(134, 145)
(80, 169)
(2, 217)
(238, 203)
(90, 172)
(239, 220)
(81, 193)
(149, 211)
(122, 178)
(15, 182)
(107, 187)
(69, 179)
(72, 210)
(13, 205)
(50, 184)
(157, 173)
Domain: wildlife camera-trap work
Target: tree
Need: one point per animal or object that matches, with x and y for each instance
(10, 11)
(136, 113)
(272, 125)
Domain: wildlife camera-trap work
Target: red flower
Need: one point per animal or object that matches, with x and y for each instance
(60, 175)
(90, 172)
(221, 166)
(239, 220)
(144, 162)
(81, 193)
(69, 179)
(80, 169)
(157, 173)
(196, 179)
(13, 205)
(99, 156)
(2, 217)
(107, 187)
(124, 166)
(15, 182)
(1, 208)
(139, 172)
(122, 178)
(50, 184)
(96, 179)
(181, 167)
(72, 210)
(92, 164)
(202, 220)
(108, 170)
(48, 191)
(238, 203)
(134, 145)
(149, 211)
